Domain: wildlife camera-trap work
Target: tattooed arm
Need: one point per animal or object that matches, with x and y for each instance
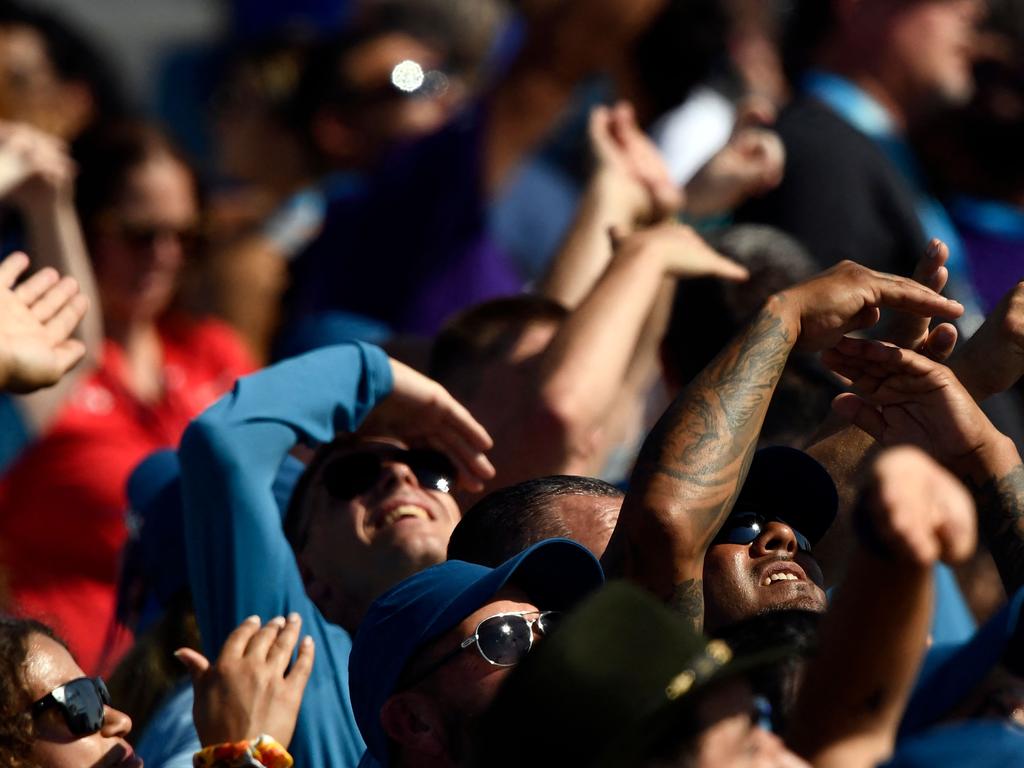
(696, 458)
(998, 488)
(904, 397)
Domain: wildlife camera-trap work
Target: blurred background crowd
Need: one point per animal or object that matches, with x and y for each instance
(437, 281)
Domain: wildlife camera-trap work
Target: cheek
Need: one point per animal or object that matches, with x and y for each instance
(69, 754)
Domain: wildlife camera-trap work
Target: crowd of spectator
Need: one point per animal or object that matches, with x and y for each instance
(613, 383)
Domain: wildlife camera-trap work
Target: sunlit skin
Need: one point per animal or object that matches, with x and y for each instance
(735, 574)
(138, 280)
(48, 666)
(376, 539)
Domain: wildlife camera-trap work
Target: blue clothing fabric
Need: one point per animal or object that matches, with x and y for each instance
(14, 433)
(239, 561)
(170, 739)
(952, 621)
(408, 244)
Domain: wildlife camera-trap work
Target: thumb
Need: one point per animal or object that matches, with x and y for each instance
(727, 269)
(194, 661)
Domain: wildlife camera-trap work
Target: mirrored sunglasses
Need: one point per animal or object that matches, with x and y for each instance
(503, 640)
(82, 703)
(744, 527)
(354, 474)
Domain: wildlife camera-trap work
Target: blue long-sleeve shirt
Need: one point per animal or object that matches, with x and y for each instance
(239, 561)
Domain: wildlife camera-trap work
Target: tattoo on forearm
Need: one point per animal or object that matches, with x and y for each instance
(1001, 514)
(688, 601)
(716, 421)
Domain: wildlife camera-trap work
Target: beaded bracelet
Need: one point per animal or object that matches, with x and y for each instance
(264, 752)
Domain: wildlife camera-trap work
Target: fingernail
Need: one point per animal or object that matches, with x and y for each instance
(294, 617)
(254, 619)
(307, 641)
(277, 620)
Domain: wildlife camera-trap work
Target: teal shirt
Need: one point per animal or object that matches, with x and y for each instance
(239, 561)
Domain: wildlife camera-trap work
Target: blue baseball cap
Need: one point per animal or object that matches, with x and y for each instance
(952, 670)
(556, 574)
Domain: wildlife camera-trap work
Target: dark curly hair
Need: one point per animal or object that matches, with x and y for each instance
(17, 730)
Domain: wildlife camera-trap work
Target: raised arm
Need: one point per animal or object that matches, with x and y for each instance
(37, 178)
(912, 515)
(904, 397)
(240, 563)
(694, 461)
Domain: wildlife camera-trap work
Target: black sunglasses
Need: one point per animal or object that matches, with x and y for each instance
(744, 528)
(354, 474)
(82, 702)
(503, 640)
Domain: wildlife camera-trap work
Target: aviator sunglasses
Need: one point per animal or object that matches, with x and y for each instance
(503, 640)
(355, 474)
(744, 528)
(81, 701)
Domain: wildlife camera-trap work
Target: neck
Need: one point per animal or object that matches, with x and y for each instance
(143, 353)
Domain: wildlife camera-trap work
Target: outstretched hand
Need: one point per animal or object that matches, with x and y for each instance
(636, 168)
(849, 297)
(249, 690)
(904, 397)
(912, 331)
(37, 319)
(421, 411)
(683, 252)
(918, 511)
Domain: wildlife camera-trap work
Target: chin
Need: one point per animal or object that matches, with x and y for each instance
(803, 597)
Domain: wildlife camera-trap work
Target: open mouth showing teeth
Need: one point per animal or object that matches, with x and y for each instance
(404, 512)
(777, 577)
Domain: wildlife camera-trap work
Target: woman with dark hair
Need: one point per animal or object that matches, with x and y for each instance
(51, 714)
(63, 501)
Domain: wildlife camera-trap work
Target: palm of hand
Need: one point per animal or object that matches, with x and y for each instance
(929, 412)
(27, 349)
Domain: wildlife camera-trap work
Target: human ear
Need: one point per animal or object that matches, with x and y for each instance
(414, 723)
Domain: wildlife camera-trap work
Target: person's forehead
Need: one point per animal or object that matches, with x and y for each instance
(47, 666)
(371, 444)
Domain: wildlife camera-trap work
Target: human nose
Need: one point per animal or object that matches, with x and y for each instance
(394, 474)
(775, 537)
(115, 722)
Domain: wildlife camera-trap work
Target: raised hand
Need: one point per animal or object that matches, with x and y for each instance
(37, 319)
(683, 252)
(911, 331)
(751, 164)
(633, 166)
(34, 166)
(421, 411)
(992, 360)
(905, 397)
(249, 690)
(918, 511)
(849, 297)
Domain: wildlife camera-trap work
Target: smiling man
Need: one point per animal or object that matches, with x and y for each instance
(366, 513)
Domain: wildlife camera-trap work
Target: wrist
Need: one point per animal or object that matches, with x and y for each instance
(785, 306)
(993, 458)
(619, 201)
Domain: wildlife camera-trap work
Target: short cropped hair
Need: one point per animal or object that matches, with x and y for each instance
(484, 334)
(507, 521)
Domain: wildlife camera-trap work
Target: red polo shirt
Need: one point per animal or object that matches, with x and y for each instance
(62, 504)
